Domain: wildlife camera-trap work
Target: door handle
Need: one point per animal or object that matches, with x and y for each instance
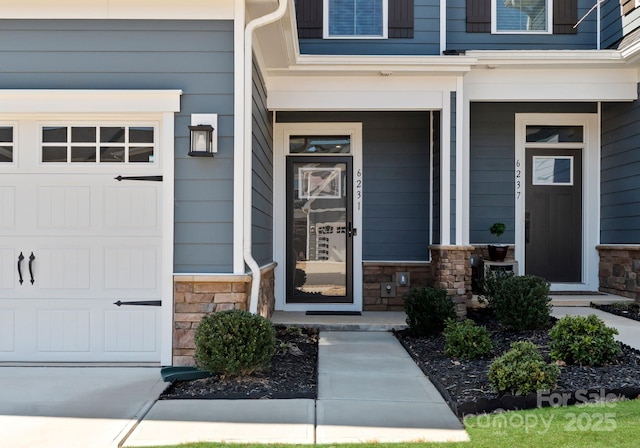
(31, 258)
(20, 258)
(351, 232)
(527, 227)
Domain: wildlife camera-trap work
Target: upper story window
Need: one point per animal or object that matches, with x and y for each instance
(513, 16)
(522, 16)
(6, 144)
(354, 19)
(362, 19)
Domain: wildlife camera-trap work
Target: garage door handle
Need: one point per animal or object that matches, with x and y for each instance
(31, 258)
(20, 258)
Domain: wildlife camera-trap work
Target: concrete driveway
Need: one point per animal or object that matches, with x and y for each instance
(73, 406)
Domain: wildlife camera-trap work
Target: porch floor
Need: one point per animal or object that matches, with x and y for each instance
(368, 321)
(396, 320)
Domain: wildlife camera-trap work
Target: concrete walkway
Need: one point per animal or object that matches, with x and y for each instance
(369, 389)
(73, 407)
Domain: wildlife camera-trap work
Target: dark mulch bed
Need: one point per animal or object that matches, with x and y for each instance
(292, 374)
(465, 385)
(628, 310)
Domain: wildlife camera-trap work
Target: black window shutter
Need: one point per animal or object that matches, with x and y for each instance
(478, 16)
(400, 19)
(309, 19)
(565, 16)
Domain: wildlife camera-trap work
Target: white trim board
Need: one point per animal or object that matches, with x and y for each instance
(282, 131)
(118, 9)
(590, 192)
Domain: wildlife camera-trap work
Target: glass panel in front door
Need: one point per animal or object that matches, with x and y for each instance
(319, 230)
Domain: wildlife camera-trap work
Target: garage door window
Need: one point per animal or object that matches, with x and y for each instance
(98, 144)
(6, 144)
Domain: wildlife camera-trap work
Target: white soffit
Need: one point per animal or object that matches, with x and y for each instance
(119, 9)
(78, 101)
(611, 84)
(372, 92)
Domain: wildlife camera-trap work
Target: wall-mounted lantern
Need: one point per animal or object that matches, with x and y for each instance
(203, 135)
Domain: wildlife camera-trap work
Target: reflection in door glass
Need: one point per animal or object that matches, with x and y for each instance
(552, 170)
(319, 230)
(321, 144)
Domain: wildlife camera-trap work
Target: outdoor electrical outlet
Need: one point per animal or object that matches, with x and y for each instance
(388, 289)
(402, 278)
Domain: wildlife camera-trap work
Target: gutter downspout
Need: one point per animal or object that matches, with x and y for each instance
(248, 146)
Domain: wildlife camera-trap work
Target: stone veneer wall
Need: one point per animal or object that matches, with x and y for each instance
(451, 270)
(376, 274)
(196, 296)
(619, 270)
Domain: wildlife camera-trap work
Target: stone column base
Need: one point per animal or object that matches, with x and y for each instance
(451, 270)
(619, 270)
(196, 296)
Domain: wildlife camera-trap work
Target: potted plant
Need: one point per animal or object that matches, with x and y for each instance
(497, 252)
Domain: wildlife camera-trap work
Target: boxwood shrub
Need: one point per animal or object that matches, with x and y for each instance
(522, 303)
(234, 343)
(583, 340)
(465, 339)
(427, 310)
(522, 370)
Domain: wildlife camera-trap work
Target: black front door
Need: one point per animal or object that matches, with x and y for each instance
(553, 214)
(319, 229)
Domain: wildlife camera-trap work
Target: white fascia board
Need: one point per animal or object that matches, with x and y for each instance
(371, 92)
(547, 57)
(612, 84)
(79, 101)
(119, 9)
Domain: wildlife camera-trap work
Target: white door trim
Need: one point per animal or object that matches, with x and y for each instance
(282, 131)
(590, 191)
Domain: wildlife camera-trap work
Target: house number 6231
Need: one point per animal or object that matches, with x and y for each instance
(518, 179)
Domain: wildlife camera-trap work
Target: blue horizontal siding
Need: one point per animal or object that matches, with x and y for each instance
(492, 160)
(620, 192)
(426, 40)
(395, 180)
(194, 56)
(459, 39)
(262, 188)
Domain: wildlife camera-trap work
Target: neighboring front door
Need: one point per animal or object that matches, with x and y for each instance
(319, 230)
(553, 214)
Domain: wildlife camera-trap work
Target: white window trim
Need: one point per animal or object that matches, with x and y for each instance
(590, 190)
(494, 21)
(385, 23)
(282, 131)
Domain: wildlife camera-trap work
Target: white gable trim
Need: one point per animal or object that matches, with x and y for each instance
(89, 101)
(118, 9)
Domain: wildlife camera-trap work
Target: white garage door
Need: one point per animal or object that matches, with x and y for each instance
(74, 240)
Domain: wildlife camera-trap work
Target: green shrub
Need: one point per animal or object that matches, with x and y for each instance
(522, 303)
(427, 310)
(583, 340)
(522, 370)
(234, 343)
(465, 339)
(490, 283)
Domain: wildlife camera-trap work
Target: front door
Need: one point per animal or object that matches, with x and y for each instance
(553, 214)
(319, 230)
